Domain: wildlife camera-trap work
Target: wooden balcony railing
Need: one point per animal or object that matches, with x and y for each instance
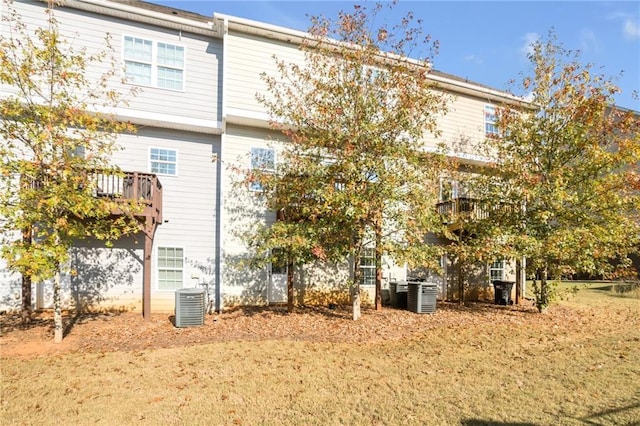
(458, 209)
(144, 188)
(138, 186)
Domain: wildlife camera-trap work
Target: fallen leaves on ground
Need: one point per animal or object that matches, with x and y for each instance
(127, 331)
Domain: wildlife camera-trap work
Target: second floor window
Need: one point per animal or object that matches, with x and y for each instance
(490, 120)
(451, 189)
(150, 63)
(262, 159)
(163, 161)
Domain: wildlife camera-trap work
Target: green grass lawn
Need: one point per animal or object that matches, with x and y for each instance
(579, 364)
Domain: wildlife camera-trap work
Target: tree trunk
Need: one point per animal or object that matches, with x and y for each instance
(26, 299)
(378, 301)
(26, 283)
(355, 301)
(542, 293)
(355, 289)
(290, 287)
(58, 329)
(460, 283)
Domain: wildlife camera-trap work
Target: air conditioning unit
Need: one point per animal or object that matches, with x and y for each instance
(189, 307)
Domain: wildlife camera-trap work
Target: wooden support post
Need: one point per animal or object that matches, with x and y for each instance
(518, 281)
(149, 230)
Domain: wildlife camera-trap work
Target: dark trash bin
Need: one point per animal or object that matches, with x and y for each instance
(502, 292)
(422, 297)
(398, 294)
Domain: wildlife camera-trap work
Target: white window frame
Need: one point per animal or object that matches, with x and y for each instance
(254, 186)
(490, 128)
(158, 268)
(452, 186)
(151, 161)
(367, 279)
(154, 63)
(496, 267)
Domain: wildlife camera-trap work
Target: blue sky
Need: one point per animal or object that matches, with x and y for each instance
(485, 41)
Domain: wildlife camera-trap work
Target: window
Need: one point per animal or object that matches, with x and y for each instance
(451, 189)
(262, 159)
(448, 189)
(163, 161)
(368, 267)
(153, 64)
(490, 120)
(170, 268)
(496, 270)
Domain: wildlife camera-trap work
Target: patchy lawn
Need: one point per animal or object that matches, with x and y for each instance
(478, 364)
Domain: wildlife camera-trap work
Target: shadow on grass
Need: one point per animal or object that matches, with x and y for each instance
(478, 422)
(13, 321)
(623, 289)
(599, 417)
(487, 307)
(85, 317)
(334, 311)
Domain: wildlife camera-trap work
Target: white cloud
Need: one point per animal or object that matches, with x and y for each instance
(617, 15)
(473, 58)
(631, 29)
(589, 42)
(529, 41)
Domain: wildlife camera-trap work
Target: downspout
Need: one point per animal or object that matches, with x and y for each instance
(221, 174)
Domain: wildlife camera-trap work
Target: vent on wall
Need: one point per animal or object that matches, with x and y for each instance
(189, 307)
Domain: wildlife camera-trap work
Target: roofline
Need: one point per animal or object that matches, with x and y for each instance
(288, 35)
(148, 16)
(166, 17)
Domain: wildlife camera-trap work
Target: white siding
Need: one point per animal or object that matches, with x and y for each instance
(10, 288)
(247, 57)
(108, 278)
(201, 98)
(464, 122)
(190, 201)
(243, 210)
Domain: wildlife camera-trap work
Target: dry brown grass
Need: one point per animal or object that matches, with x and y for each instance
(578, 365)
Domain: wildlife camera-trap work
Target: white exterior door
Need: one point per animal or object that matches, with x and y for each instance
(277, 291)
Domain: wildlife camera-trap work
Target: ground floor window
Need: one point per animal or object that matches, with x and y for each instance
(170, 268)
(496, 270)
(368, 267)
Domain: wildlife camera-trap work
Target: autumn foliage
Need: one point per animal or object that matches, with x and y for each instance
(54, 140)
(569, 172)
(353, 173)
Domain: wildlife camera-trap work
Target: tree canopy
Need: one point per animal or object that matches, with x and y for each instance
(55, 140)
(562, 177)
(354, 172)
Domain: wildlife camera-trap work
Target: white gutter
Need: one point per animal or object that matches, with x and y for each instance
(262, 29)
(479, 91)
(152, 17)
(219, 250)
(288, 35)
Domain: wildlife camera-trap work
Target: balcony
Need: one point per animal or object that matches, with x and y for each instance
(463, 210)
(457, 211)
(143, 188)
(133, 186)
